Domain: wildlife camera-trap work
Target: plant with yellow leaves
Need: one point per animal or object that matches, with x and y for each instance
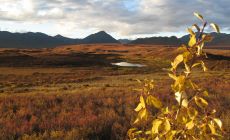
(190, 118)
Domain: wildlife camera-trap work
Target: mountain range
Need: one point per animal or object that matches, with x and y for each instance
(41, 40)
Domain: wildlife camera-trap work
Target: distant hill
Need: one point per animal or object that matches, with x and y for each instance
(125, 41)
(220, 39)
(100, 37)
(157, 41)
(41, 40)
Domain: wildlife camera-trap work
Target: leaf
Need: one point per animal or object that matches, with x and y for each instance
(151, 100)
(166, 125)
(136, 121)
(192, 113)
(172, 76)
(203, 66)
(179, 83)
(199, 16)
(212, 128)
(177, 61)
(138, 108)
(155, 125)
(218, 122)
(205, 93)
(178, 97)
(192, 41)
(197, 27)
(139, 81)
(188, 70)
(148, 132)
(142, 113)
(196, 64)
(202, 103)
(170, 135)
(191, 31)
(142, 101)
(190, 125)
(215, 27)
(130, 132)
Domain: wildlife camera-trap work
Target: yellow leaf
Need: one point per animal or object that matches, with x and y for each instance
(170, 135)
(142, 113)
(190, 124)
(188, 70)
(203, 66)
(197, 27)
(142, 101)
(198, 16)
(138, 108)
(177, 61)
(196, 64)
(178, 97)
(191, 31)
(151, 100)
(136, 121)
(139, 81)
(215, 27)
(218, 122)
(205, 93)
(212, 128)
(202, 103)
(130, 132)
(187, 56)
(185, 103)
(179, 83)
(166, 125)
(155, 125)
(192, 41)
(192, 113)
(172, 76)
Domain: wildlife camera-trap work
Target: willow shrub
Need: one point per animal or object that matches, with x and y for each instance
(191, 117)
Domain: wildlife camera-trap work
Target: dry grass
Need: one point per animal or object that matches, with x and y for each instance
(59, 101)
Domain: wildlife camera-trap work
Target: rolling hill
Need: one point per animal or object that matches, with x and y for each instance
(41, 40)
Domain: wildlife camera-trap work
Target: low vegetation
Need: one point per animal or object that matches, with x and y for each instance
(92, 102)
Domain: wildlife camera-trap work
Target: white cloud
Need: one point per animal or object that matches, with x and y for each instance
(123, 18)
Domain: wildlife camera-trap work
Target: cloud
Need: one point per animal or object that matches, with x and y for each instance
(123, 18)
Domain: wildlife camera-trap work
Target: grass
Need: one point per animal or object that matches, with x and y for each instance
(91, 102)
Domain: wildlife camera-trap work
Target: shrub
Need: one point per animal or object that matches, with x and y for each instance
(189, 116)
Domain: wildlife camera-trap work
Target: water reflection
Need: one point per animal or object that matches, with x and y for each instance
(126, 64)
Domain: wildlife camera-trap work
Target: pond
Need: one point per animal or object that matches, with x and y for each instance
(126, 64)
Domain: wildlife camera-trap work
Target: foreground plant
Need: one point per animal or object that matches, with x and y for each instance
(191, 117)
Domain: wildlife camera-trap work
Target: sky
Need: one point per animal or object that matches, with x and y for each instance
(121, 18)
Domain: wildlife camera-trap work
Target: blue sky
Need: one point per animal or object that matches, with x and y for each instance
(120, 18)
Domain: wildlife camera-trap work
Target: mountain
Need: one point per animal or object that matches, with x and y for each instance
(41, 40)
(124, 41)
(100, 37)
(157, 41)
(220, 39)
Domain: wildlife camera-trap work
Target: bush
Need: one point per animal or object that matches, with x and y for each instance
(188, 117)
